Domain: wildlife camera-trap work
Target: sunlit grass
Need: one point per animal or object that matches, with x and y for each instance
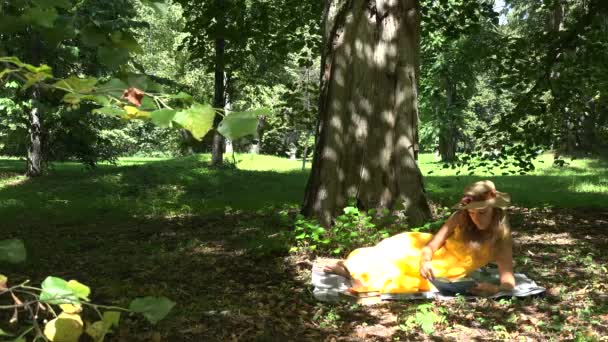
(579, 183)
(188, 186)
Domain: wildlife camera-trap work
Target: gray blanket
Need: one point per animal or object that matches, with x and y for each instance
(329, 287)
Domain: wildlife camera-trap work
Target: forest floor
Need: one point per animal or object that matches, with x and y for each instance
(138, 230)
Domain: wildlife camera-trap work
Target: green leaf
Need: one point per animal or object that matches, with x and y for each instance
(42, 69)
(63, 29)
(198, 119)
(12, 251)
(65, 4)
(112, 57)
(41, 16)
(114, 87)
(111, 319)
(72, 98)
(147, 103)
(57, 291)
(4, 333)
(110, 110)
(34, 78)
(154, 309)
(138, 81)
(163, 117)
(75, 84)
(92, 36)
(97, 330)
(126, 41)
(240, 124)
(80, 290)
(181, 96)
(10, 24)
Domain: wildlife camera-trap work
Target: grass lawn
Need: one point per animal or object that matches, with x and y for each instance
(207, 239)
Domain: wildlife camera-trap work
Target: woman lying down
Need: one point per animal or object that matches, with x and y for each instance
(476, 234)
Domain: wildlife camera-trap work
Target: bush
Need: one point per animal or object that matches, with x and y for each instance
(353, 229)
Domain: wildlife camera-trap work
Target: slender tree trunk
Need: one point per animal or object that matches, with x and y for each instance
(187, 142)
(34, 151)
(368, 111)
(35, 156)
(566, 144)
(219, 101)
(447, 129)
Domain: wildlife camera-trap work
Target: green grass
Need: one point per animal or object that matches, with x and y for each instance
(165, 188)
(146, 188)
(582, 183)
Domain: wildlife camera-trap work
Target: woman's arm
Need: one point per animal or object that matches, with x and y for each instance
(504, 260)
(436, 242)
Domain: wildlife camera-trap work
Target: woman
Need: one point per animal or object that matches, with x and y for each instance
(476, 234)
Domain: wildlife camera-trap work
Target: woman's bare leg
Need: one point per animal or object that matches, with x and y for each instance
(337, 266)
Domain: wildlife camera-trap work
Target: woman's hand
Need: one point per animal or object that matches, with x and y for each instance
(484, 289)
(426, 270)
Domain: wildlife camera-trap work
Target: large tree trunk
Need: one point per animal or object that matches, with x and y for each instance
(219, 101)
(368, 111)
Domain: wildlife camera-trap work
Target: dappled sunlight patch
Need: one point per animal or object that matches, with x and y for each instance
(600, 186)
(560, 239)
(12, 203)
(11, 179)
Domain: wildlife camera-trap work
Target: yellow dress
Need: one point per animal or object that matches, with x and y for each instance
(393, 265)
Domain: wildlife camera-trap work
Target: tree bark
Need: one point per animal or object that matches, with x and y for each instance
(447, 128)
(35, 156)
(368, 111)
(219, 101)
(34, 151)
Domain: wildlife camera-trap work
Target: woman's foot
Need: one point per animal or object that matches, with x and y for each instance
(335, 266)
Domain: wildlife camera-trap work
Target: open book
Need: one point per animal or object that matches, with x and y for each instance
(455, 286)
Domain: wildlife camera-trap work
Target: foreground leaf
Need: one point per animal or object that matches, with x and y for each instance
(113, 87)
(134, 96)
(198, 119)
(12, 251)
(40, 16)
(75, 84)
(57, 291)
(163, 117)
(241, 124)
(3, 281)
(112, 57)
(110, 110)
(154, 309)
(111, 319)
(65, 328)
(80, 290)
(71, 308)
(97, 331)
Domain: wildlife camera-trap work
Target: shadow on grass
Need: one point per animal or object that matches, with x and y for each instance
(164, 229)
(184, 186)
(228, 274)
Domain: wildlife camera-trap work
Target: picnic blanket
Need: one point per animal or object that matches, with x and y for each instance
(330, 287)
